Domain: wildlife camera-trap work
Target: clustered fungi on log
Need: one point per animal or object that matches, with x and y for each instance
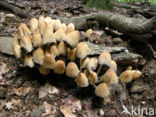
(51, 45)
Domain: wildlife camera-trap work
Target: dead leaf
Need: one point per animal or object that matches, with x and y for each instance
(72, 103)
(47, 107)
(22, 91)
(9, 105)
(2, 104)
(16, 101)
(66, 111)
(3, 70)
(47, 89)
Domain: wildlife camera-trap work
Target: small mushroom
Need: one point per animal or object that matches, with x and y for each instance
(62, 48)
(57, 24)
(17, 51)
(48, 20)
(26, 43)
(43, 70)
(72, 38)
(28, 61)
(60, 67)
(71, 25)
(92, 64)
(136, 74)
(86, 72)
(23, 30)
(104, 59)
(54, 51)
(93, 78)
(126, 76)
(37, 39)
(48, 36)
(49, 61)
(59, 34)
(33, 24)
(82, 80)
(72, 54)
(88, 33)
(38, 56)
(63, 26)
(15, 40)
(42, 25)
(72, 70)
(82, 50)
(68, 30)
(109, 77)
(129, 68)
(102, 90)
(113, 66)
(83, 63)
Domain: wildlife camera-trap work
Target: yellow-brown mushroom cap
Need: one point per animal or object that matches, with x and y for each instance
(82, 80)
(54, 51)
(72, 70)
(93, 78)
(113, 66)
(33, 24)
(43, 70)
(62, 48)
(110, 77)
(38, 56)
(17, 51)
(102, 90)
(36, 39)
(126, 76)
(92, 64)
(84, 63)
(26, 43)
(72, 38)
(60, 67)
(72, 54)
(136, 74)
(88, 33)
(82, 50)
(28, 61)
(86, 72)
(129, 68)
(71, 25)
(105, 58)
(49, 61)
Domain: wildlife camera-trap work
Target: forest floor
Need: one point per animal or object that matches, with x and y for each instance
(24, 92)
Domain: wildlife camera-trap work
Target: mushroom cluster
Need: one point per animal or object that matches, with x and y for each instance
(51, 45)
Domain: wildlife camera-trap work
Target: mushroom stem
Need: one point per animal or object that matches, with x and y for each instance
(125, 90)
(99, 69)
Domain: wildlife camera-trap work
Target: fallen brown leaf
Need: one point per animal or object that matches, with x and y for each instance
(66, 111)
(47, 107)
(22, 91)
(3, 70)
(47, 89)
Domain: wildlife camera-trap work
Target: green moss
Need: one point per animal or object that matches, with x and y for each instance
(100, 4)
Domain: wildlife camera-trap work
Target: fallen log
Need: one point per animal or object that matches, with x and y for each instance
(140, 30)
(119, 54)
(15, 10)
